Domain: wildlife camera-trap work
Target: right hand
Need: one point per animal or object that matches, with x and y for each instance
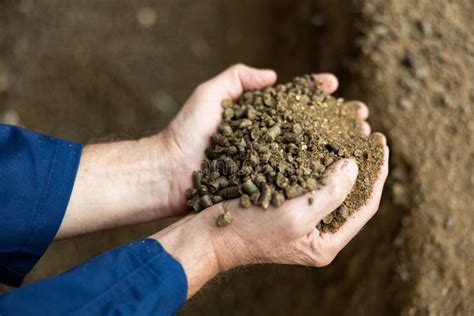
(288, 234)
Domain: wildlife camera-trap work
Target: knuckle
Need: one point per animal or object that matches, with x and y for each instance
(236, 70)
(324, 254)
(237, 73)
(201, 88)
(238, 66)
(341, 187)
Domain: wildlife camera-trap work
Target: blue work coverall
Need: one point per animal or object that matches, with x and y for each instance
(37, 174)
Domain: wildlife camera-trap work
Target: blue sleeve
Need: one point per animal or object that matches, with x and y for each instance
(140, 278)
(37, 174)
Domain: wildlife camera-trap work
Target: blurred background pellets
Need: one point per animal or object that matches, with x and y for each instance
(10, 117)
(4, 81)
(146, 17)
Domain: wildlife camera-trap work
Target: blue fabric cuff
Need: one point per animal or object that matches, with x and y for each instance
(52, 206)
(166, 271)
(147, 280)
(37, 177)
(139, 278)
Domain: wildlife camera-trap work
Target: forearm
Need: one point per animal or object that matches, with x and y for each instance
(117, 184)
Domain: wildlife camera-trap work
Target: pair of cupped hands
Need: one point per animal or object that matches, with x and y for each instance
(134, 182)
(288, 234)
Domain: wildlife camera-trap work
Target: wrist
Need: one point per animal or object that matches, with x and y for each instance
(203, 249)
(190, 243)
(157, 174)
(229, 249)
(171, 167)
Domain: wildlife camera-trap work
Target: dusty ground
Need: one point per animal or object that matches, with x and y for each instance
(88, 69)
(421, 54)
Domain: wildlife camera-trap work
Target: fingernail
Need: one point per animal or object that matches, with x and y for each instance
(350, 168)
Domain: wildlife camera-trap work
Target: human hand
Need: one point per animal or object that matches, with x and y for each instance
(288, 234)
(285, 235)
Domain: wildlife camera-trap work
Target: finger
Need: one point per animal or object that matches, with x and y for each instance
(355, 223)
(311, 207)
(362, 111)
(231, 83)
(362, 114)
(328, 83)
(365, 127)
(361, 108)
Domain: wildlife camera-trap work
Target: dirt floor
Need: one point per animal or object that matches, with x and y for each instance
(99, 70)
(421, 54)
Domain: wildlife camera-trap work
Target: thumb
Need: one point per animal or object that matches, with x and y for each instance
(231, 83)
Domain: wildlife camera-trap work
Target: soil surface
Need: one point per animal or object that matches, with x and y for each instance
(422, 55)
(90, 70)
